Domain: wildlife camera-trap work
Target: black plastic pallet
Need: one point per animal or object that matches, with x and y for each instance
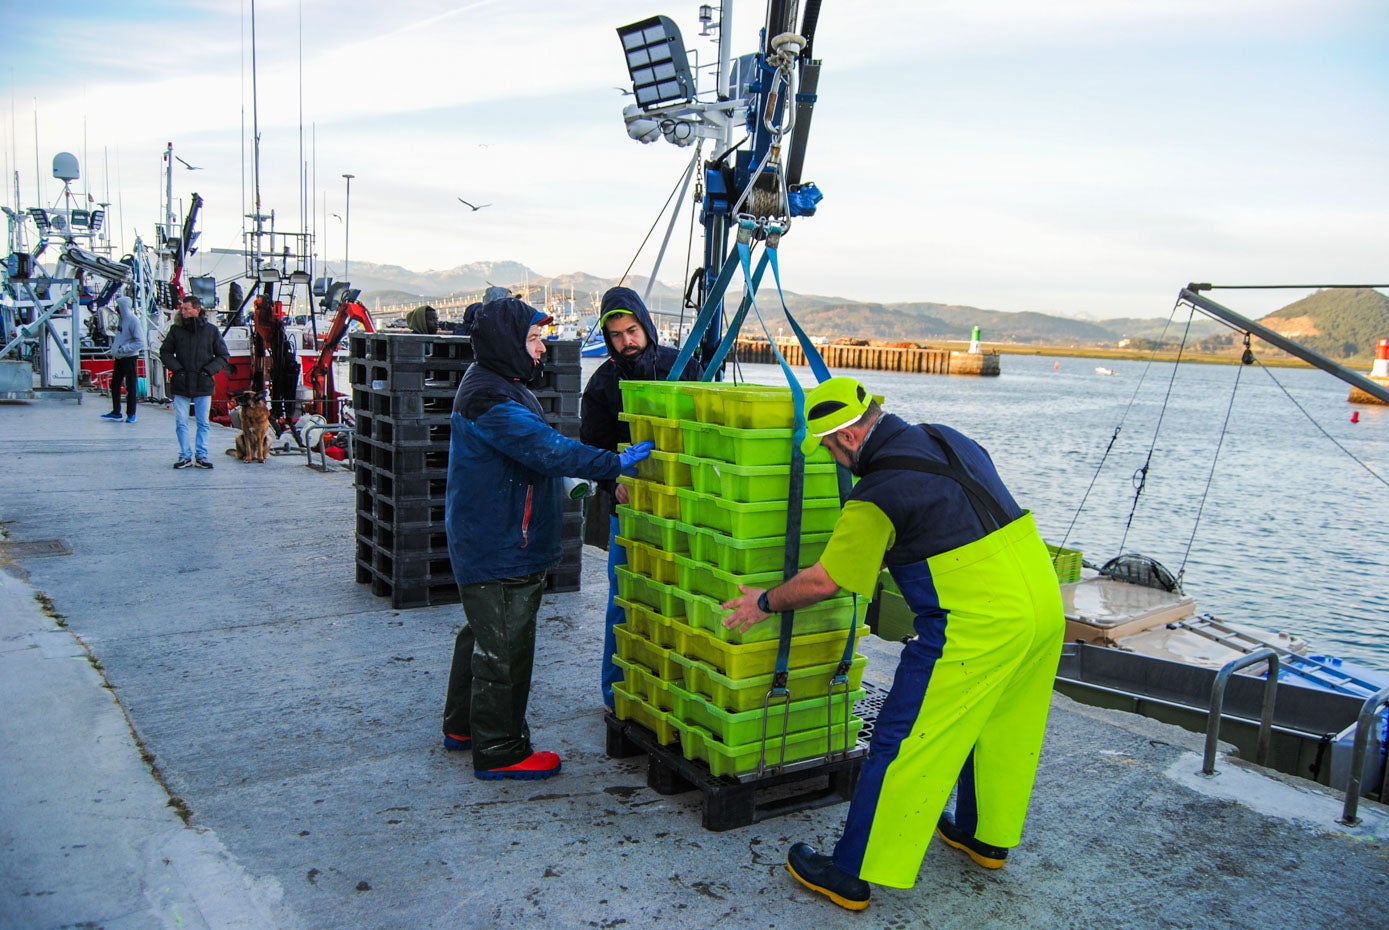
(729, 803)
(439, 589)
(432, 430)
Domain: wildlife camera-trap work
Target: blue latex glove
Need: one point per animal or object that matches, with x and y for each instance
(633, 454)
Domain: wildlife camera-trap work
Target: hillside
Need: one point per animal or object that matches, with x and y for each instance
(1340, 323)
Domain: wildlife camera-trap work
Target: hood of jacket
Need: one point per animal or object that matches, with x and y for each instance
(126, 311)
(628, 301)
(499, 338)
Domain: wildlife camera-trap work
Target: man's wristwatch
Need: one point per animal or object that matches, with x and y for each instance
(762, 604)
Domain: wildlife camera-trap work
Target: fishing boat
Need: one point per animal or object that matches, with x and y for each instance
(1138, 641)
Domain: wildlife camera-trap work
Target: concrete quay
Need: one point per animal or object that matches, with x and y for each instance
(208, 724)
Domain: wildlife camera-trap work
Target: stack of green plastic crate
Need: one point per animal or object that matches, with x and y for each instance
(706, 513)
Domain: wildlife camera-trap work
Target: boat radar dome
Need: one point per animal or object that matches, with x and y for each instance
(65, 167)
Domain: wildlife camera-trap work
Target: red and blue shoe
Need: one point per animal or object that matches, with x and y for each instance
(535, 766)
(455, 743)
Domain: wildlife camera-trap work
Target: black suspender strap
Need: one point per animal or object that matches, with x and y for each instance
(986, 507)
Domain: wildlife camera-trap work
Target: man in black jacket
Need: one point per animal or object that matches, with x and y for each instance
(633, 355)
(193, 351)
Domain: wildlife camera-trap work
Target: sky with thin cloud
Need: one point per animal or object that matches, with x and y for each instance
(1076, 157)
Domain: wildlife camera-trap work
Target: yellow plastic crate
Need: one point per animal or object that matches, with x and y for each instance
(737, 695)
(699, 744)
(666, 534)
(643, 652)
(665, 468)
(746, 660)
(836, 613)
(627, 706)
(1066, 562)
(648, 623)
(645, 685)
(690, 709)
(650, 561)
(667, 434)
(650, 497)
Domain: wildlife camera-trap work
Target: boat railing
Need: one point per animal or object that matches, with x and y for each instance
(1369, 717)
(1218, 700)
(313, 436)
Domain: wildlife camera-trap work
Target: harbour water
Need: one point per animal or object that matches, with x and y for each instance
(1293, 532)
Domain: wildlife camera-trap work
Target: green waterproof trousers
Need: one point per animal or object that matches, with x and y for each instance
(490, 681)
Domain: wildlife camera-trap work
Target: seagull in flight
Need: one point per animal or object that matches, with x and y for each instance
(188, 166)
(474, 209)
(338, 218)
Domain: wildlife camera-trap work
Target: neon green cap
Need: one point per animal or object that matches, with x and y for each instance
(832, 405)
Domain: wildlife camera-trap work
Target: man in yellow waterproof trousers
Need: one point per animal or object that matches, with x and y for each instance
(968, 705)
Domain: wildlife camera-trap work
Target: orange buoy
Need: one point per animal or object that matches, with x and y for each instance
(1355, 416)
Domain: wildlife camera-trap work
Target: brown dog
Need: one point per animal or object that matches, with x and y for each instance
(253, 442)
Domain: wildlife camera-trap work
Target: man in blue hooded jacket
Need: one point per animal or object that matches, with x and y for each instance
(633, 355)
(503, 519)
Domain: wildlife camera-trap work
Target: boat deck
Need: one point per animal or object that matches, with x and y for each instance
(293, 719)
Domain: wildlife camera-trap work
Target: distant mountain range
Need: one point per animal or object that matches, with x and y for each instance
(1342, 323)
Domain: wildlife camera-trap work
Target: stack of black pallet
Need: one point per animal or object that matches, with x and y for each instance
(402, 391)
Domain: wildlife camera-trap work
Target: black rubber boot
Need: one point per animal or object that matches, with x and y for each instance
(819, 873)
(990, 857)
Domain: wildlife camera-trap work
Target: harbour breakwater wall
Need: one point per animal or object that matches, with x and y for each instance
(876, 356)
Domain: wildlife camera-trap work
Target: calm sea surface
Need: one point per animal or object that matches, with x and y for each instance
(1293, 533)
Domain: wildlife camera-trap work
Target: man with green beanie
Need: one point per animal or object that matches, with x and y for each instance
(969, 701)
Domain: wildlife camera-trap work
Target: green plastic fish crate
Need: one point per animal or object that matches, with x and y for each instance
(650, 497)
(668, 535)
(754, 521)
(705, 613)
(745, 406)
(665, 468)
(690, 709)
(669, 400)
(627, 706)
(650, 561)
(747, 660)
(741, 446)
(648, 623)
(667, 434)
(896, 621)
(749, 556)
(666, 599)
(643, 652)
(699, 744)
(696, 577)
(752, 483)
(1066, 562)
(742, 694)
(645, 685)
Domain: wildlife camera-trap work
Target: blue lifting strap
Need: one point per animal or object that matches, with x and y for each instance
(712, 301)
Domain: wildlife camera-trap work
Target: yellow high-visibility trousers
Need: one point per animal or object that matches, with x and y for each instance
(969, 703)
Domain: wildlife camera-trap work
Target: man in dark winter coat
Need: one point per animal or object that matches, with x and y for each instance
(633, 355)
(503, 517)
(193, 352)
